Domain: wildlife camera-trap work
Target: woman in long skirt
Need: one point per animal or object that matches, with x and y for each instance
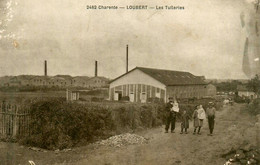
(196, 122)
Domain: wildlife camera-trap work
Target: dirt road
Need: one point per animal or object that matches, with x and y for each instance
(231, 130)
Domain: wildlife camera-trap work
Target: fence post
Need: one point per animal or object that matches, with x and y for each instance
(1, 118)
(14, 120)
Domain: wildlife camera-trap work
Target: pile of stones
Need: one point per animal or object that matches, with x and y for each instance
(123, 140)
(243, 156)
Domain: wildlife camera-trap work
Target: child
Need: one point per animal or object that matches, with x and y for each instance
(196, 121)
(175, 106)
(201, 116)
(184, 122)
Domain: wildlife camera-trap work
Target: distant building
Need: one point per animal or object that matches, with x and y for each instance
(211, 90)
(72, 95)
(54, 81)
(97, 82)
(57, 82)
(39, 81)
(243, 91)
(79, 81)
(141, 84)
(14, 81)
(24, 79)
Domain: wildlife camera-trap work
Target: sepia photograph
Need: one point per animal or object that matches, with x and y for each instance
(130, 82)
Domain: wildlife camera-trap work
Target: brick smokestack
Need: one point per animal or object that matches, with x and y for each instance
(96, 68)
(126, 58)
(45, 68)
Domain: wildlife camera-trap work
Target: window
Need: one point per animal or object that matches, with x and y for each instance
(131, 88)
(143, 88)
(157, 90)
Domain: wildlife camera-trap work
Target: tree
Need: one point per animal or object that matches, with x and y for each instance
(228, 86)
(254, 85)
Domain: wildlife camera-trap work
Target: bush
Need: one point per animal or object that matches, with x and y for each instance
(125, 98)
(97, 92)
(239, 99)
(254, 107)
(96, 99)
(57, 124)
(155, 100)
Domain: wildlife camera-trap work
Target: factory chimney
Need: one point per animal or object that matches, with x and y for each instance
(45, 68)
(96, 68)
(126, 58)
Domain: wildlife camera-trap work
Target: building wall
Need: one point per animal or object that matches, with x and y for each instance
(186, 91)
(38, 81)
(137, 85)
(247, 94)
(78, 82)
(25, 82)
(137, 77)
(136, 92)
(57, 82)
(97, 82)
(211, 90)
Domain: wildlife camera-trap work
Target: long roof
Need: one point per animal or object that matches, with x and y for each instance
(170, 77)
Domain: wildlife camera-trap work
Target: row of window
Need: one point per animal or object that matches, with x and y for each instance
(131, 88)
(184, 92)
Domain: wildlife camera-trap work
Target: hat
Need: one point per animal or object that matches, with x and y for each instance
(170, 98)
(211, 103)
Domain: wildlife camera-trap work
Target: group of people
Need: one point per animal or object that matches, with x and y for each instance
(198, 116)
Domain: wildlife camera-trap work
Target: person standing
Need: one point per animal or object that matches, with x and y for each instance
(201, 116)
(196, 120)
(184, 122)
(171, 116)
(210, 112)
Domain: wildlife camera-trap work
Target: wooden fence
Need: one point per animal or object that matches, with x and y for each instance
(14, 120)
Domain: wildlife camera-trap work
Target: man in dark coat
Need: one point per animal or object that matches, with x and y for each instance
(171, 116)
(210, 112)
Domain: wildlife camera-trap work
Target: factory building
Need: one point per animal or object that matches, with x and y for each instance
(143, 84)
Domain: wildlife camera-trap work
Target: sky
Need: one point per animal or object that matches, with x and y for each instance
(206, 38)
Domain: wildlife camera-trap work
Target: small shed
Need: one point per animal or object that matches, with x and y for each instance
(243, 91)
(72, 95)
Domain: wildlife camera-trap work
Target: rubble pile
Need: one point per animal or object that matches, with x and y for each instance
(243, 156)
(123, 140)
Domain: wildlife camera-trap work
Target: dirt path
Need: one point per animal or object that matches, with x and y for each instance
(232, 128)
